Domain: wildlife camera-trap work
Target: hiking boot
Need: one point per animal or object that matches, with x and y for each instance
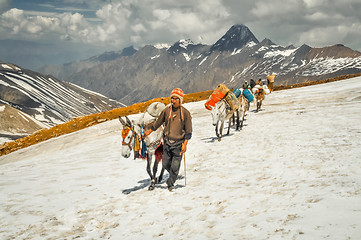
(170, 188)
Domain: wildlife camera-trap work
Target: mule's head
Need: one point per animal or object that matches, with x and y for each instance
(127, 137)
(215, 114)
(220, 112)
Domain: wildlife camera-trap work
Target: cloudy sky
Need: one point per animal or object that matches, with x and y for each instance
(33, 33)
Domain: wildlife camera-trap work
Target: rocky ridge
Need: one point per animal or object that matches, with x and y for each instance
(236, 57)
(30, 101)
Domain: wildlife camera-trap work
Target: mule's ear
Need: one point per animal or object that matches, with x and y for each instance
(129, 123)
(121, 121)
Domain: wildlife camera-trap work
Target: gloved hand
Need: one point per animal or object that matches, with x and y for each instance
(146, 133)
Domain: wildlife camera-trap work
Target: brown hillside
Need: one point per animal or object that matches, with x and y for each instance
(90, 120)
(13, 120)
(337, 51)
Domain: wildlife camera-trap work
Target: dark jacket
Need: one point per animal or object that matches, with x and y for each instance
(252, 83)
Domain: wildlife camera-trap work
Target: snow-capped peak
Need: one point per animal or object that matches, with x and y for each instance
(185, 42)
(162, 46)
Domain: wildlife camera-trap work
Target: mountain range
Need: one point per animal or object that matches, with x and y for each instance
(132, 76)
(30, 101)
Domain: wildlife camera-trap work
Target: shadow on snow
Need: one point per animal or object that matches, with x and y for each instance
(145, 183)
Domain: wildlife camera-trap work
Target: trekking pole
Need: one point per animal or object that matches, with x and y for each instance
(185, 173)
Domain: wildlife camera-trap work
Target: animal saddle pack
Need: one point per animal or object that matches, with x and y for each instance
(149, 117)
(248, 94)
(222, 92)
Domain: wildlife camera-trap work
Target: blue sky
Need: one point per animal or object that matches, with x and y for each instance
(46, 7)
(58, 31)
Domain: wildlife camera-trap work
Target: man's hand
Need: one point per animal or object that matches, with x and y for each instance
(147, 133)
(184, 147)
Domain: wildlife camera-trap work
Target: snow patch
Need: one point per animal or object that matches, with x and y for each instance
(4, 83)
(251, 44)
(2, 108)
(235, 76)
(10, 66)
(187, 57)
(6, 66)
(84, 89)
(322, 66)
(162, 46)
(21, 115)
(284, 53)
(185, 42)
(236, 51)
(204, 59)
(263, 48)
(214, 59)
(154, 57)
(247, 68)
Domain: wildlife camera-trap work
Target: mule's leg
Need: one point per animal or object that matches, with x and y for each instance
(229, 126)
(161, 175)
(237, 119)
(217, 132)
(259, 104)
(152, 178)
(155, 169)
(243, 113)
(220, 131)
(149, 162)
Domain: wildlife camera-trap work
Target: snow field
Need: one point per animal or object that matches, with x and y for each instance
(292, 172)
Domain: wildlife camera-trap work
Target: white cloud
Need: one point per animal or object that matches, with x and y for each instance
(315, 3)
(192, 21)
(121, 23)
(276, 9)
(128, 22)
(184, 22)
(317, 16)
(137, 28)
(13, 20)
(34, 26)
(114, 13)
(323, 36)
(161, 14)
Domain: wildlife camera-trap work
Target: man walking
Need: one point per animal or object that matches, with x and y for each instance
(177, 132)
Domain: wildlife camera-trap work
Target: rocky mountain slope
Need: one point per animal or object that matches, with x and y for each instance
(63, 72)
(30, 101)
(16, 124)
(235, 57)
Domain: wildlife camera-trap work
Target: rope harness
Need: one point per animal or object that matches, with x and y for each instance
(125, 133)
(227, 107)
